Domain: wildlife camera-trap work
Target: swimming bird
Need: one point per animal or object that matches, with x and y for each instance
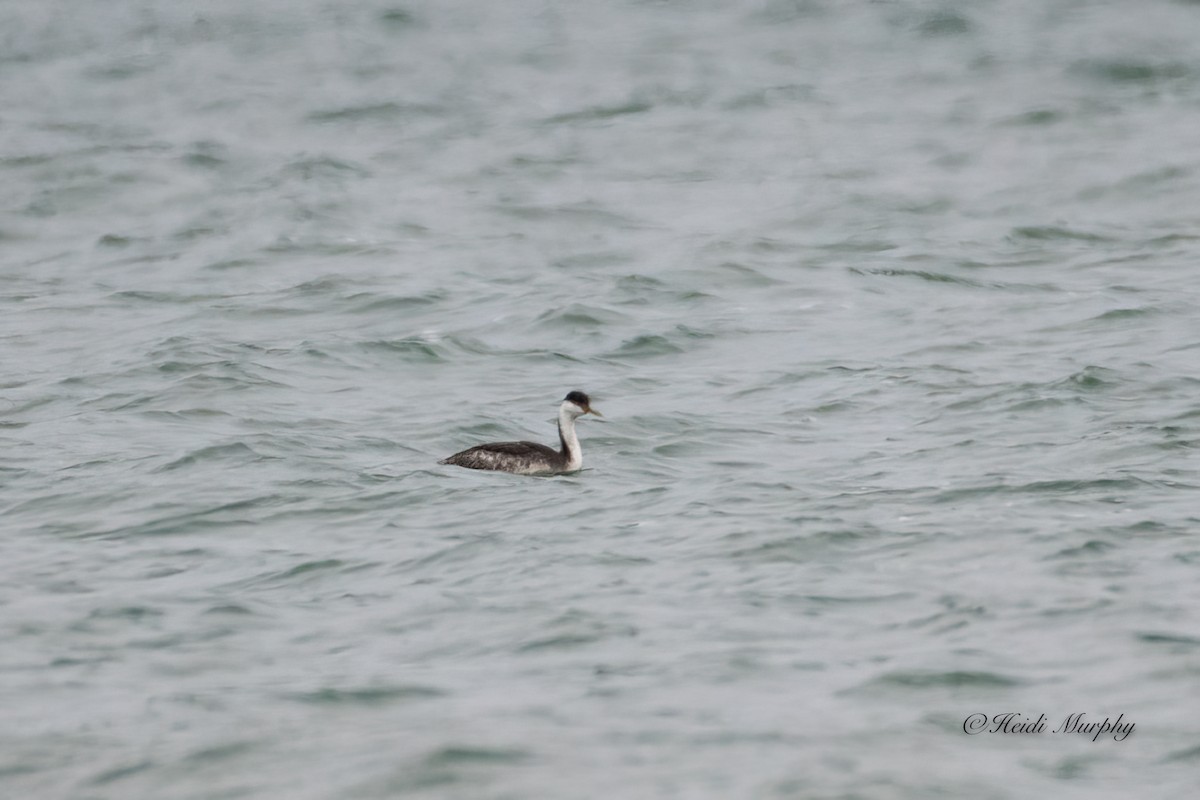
(530, 458)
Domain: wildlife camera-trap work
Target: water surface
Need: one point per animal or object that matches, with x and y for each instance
(890, 307)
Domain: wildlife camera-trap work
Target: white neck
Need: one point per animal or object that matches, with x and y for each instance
(570, 442)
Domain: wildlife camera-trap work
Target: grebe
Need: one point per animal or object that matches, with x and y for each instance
(530, 458)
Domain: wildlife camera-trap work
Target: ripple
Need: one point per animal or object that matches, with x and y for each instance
(1092, 547)
(1068, 488)
(599, 113)
(1124, 71)
(579, 315)
(237, 452)
(222, 752)
(944, 23)
(414, 349)
(214, 517)
(955, 679)
(369, 302)
(375, 112)
(311, 168)
(117, 774)
(1187, 754)
(456, 755)
(647, 345)
(1041, 116)
(373, 696)
(1054, 233)
(576, 629)
(933, 277)
(398, 18)
(309, 567)
(1177, 642)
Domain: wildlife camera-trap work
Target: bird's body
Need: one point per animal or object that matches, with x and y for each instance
(531, 458)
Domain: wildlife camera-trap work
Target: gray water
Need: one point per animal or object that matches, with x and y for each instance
(891, 308)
